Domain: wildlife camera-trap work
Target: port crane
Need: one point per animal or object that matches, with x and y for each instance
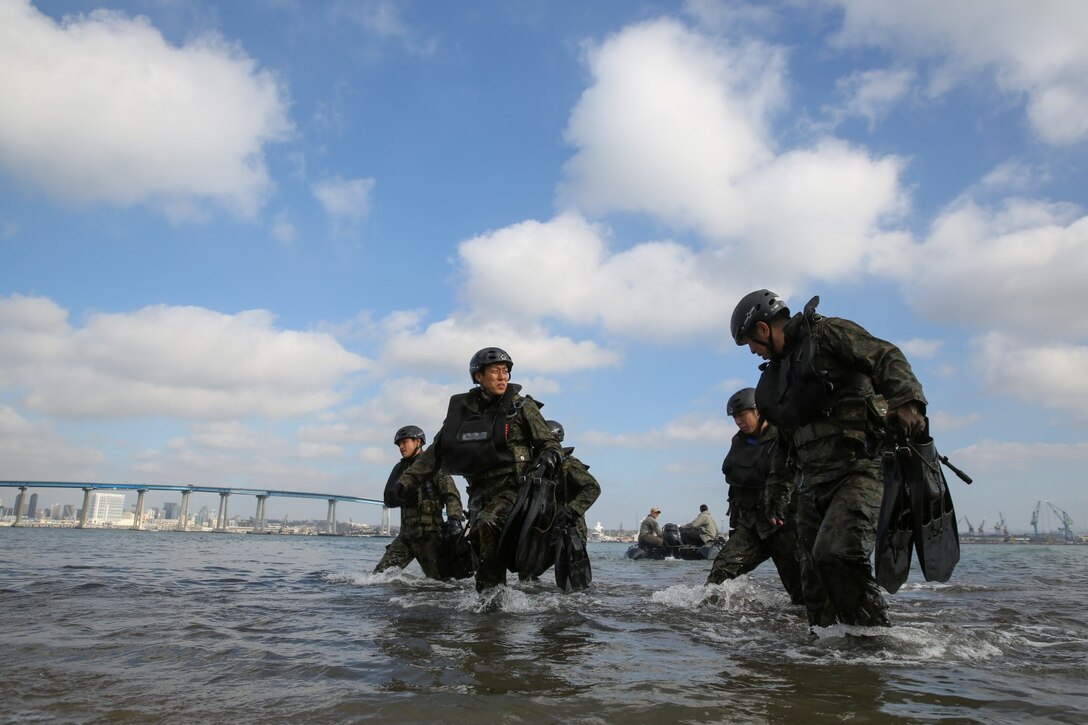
(1000, 528)
(970, 528)
(1066, 519)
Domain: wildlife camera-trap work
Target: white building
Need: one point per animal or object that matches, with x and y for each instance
(105, 507)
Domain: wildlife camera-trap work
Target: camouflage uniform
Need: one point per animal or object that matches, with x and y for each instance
(492, 494)
(838, 455)
(580, 489)
(752, 537)
(420, 534)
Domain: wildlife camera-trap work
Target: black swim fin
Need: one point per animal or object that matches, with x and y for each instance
(455, 561)
(895, 529)
(508, 539)
(535, 548)
(572, 569)
(917, 509)
(936, 535)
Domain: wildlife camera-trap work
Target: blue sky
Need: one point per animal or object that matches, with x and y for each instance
(241, 243)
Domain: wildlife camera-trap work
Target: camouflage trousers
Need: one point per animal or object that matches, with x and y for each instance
(836, 533)
(425, 548)
(750, 544)
(487, 517)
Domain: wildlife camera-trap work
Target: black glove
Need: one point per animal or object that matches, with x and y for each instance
(549, 462)
(454, 528)
(911, 418)
(775, 508)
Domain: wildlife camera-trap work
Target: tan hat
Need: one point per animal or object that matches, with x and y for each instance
(655, 510)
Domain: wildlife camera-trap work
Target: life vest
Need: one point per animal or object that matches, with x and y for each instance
(748, 462)
(391, 496)
(791, 391)
(473, 443)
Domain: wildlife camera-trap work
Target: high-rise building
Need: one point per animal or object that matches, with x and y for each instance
(68, 512)
(170, 510)
(106, 507)
(32, 507)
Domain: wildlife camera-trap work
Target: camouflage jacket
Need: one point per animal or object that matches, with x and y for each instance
(421, 513)
(580, 488)
(866, 371)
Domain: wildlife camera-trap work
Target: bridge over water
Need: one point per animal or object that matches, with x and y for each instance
(186, 490)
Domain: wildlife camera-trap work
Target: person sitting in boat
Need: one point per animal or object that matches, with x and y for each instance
(702, 530)
(649, 533)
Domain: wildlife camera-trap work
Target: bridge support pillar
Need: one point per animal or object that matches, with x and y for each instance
(221, 520)
(258, 526)
(85, 512)
(330, 520)
(183, 512)
(19, 505)
(138, 521)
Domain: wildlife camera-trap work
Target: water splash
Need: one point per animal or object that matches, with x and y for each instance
(736, 595)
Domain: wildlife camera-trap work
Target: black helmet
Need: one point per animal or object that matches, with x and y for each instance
(759, 306)
(556, 428)
(486, 357)
(740, 401)
(410, 431)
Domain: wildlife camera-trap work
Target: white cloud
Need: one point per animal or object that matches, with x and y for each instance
(317, 451)
(100, 108)
(230, 436)
(28, 449)
(871, 94)
(563, 268)
(449, 344)
(1012, 175)
(282, 229)
(260, 460)
(345, 198)
(677, 125)
(375, 456)
(669, 122)
(820, 212)
(942, 421)
(383, 19)
(689, 429)
(1054, 375)
(188, 362)
(1018, 268)
(399, 401)
(732, 17)
(920, 348)
(990, 456)
(1033, 50)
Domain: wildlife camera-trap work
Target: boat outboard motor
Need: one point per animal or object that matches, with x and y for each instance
(671, 535)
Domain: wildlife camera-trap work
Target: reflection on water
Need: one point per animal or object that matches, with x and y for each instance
(131, 626)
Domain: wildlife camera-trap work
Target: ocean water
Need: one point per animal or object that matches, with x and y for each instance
(121, 626)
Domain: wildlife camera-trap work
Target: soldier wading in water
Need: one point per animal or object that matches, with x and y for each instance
(491, 436)
(820, 388)
(421, 524)
(753, 538)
